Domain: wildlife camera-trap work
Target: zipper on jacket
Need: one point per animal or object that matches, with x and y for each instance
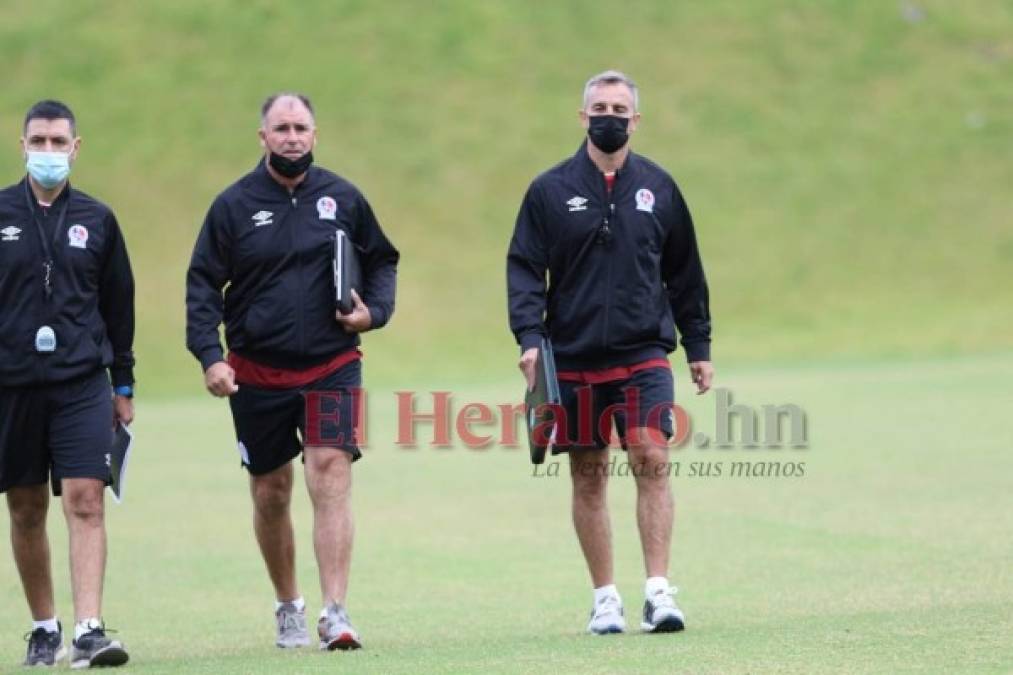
(300, 322)
(605, 239)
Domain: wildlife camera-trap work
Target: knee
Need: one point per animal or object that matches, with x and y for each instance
(327, 461)
(650, 465)
(328, 473)
(272, 495)
(28, 510)
(589, 490)
(84, 504)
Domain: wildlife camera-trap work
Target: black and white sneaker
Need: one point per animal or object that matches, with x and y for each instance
(94, 649)
(45, 648)
(661, 615)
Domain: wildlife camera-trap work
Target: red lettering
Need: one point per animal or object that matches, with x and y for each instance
(407, 418)
(465, 420)
(508, 423)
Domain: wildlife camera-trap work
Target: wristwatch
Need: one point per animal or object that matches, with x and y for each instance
(124, 390)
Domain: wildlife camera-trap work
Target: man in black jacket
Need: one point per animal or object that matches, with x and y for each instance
(292, 374)
(66, 329)
(611, 230)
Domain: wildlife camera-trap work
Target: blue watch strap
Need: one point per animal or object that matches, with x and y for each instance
(124, 390)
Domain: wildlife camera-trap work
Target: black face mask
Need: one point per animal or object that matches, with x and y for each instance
(290, 168)
(608, 132)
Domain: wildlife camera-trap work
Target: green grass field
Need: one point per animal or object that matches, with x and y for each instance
(891, 554)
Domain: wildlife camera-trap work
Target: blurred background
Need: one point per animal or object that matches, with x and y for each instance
(847, 163)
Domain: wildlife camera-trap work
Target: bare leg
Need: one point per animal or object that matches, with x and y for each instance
(272, 523)
(28, 506)
(329, 479)
(590, 512)
(655, 509)
(84, 510)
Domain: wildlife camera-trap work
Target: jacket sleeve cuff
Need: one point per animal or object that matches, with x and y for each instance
(530, 340)
(121, 376)
(210, 356)
(697, 351)
(377, 318)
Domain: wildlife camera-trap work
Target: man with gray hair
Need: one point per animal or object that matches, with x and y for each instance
(603, 262)
(263, 266)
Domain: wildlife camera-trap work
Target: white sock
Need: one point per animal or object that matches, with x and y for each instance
(299, 603)
(85, 625)
(605, 592)
(50, 625)
(656, 585)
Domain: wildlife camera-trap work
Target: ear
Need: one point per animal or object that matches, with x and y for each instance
(634, 121)
(74, 148)
(263, 137)
(583, 118)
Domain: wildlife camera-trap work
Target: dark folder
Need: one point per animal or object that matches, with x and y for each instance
(118, 455)
(347, 273)
(541, 404)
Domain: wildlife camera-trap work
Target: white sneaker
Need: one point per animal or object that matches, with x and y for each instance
(607, 616)
(661, 615)
(291, 622)
(336, 631)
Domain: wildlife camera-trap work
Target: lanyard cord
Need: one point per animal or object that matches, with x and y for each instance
(49, 262)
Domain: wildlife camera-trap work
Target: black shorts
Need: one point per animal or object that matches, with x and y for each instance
(647, 396)
(273, 425)
(60, 430)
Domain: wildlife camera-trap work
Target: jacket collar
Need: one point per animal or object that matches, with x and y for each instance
(589, 168)
(26, 189)
(264, 180)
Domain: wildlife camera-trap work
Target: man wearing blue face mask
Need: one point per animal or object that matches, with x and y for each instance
(604, 262)
(66, 377)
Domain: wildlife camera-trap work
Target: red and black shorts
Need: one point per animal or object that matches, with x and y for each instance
(273, 425)
(645, 399)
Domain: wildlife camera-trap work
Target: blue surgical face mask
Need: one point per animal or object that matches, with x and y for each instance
(49, 169)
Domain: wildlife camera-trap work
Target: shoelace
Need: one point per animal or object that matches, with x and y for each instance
(665, 598)
(100, 632)
(289, 621)
(41, 632)
(36, 640)
(610, 605)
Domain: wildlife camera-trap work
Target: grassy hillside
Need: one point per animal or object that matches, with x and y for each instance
(847, 162)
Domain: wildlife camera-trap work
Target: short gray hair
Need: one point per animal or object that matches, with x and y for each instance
(613, 77)
(273, 98)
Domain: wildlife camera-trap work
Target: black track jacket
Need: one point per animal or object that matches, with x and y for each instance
(622, 267)
(275, 252)
(91, 304)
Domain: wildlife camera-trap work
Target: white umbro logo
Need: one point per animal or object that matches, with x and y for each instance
(261, 218)
(577, 204)
(10, 233)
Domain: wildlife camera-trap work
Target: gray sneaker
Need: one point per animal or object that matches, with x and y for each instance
(336, 631)
(291, 626)
(94, 650)
(45, 648)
